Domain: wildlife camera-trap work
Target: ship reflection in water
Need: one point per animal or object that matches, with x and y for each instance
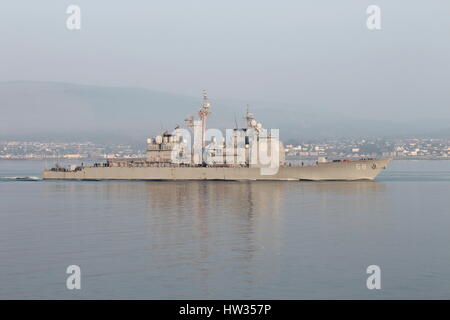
(213, 239)
(217, 239)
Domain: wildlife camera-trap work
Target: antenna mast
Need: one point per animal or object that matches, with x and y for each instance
(203, 113)
(248, 117)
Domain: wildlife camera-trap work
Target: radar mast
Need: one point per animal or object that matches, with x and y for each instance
(203, 113)
(248, 117)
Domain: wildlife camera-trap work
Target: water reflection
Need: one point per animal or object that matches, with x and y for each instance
(210, 234)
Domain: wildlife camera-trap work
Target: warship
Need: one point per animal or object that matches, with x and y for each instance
(248, 153)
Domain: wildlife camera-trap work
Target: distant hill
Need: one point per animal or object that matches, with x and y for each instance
(62, 111)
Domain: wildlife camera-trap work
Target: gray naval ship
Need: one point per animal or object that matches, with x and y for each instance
(249, 153)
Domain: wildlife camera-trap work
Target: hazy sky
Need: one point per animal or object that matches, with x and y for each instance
(317, 53)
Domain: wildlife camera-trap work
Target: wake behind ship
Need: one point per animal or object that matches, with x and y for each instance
(250, 153)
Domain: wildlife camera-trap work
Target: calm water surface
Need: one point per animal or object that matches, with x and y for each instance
(221, 240)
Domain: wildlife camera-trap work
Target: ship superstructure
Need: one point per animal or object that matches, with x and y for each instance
(236, 149)
(198, 153)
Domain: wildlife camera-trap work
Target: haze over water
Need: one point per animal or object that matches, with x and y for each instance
(230, 240)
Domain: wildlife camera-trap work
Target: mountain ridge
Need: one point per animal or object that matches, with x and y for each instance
(62, 110)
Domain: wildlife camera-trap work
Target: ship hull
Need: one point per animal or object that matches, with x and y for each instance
(352, 170)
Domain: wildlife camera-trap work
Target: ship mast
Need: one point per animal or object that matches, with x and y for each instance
(203, 113)
(248, 117)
